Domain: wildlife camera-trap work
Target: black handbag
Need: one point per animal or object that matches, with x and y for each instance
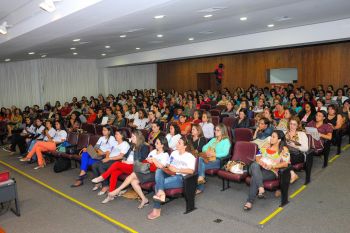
(140, 167)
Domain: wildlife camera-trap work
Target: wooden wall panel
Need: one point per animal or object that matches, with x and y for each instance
(317, 64)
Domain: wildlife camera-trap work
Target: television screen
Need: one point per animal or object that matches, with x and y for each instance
(283, 75)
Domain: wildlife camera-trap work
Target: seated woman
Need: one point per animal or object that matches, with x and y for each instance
(283, 123)
(119, 121)
(325, 130)
(15, 122)
(20, 139)
(263, 130)
(207, 125)
(268, 161)
(119, 148)
(181, 163)
(196, 119)
(141, 121)
(336, 121)
(230, 110)
(184, 125)
(138, 151)
(157, 158)
(215, 149)
(297, 142)
(173, 135)
(307, 114)
(102, 147)
(53, 137)
(243, 120)
(245, 105)
(196, 139)
(154, 134)
(72, 123)
(295, 106)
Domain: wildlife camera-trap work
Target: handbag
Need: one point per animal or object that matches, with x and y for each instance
(143, 168)
(235, 167)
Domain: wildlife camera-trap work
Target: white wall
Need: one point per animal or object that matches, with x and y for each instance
(309, 34)
(38, 81)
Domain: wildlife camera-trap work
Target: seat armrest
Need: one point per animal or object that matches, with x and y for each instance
(224, 160)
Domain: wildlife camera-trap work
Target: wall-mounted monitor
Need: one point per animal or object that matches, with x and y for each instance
(282, 75)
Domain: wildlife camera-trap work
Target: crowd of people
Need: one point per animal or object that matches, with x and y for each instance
(179, 129)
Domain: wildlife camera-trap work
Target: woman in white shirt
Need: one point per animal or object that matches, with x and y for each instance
(181, 163)
(133, 114)
(119, 148)
(137, 152)
(173, 136)
(141, 121)
(51, 139)
(157, 158)
(207, 126)
(102, 147)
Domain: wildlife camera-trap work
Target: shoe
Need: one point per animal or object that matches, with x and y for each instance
(143, 204)
(97, 180)
(39, 167)
(24, 159)
(97, 187)
(261, 195)
(122, 192)
(198, 191)
(152, 215)
(108, 199)
(101, 193)
(159, 198)
(294, 178)
(79, 182)
(7, 149)
(247, 207)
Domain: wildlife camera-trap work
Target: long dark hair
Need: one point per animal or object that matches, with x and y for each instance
(282, 137)
(110, 130)
(164, 142)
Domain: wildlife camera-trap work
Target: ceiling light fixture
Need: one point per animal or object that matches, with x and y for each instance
(122, 36)
(159, 35)
(44, 55)
(243, 18)
(207, 16)
(107, 46)
(138, 48)
(73, 48)
(76, 40)
(159, 16)
(75, 54)
(3, 28)
(7, 59)
(103, 54)
(191, 38)
(270, 25)
(48, 5)
(31, 53)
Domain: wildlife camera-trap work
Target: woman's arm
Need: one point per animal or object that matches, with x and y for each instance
(339, 122)
(327, 136)
(186, 171)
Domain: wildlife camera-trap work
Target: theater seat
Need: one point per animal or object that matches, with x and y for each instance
(174, 192)
(148, 186)
(244, 152)
(243, 134)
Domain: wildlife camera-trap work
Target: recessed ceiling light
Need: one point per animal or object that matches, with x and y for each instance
(270, 25)
(76, 40)
(191, 38)
(3, 28)
(44, 55)
(73, 48)
(107, 46)
(75, 53)
(212, 9)
(207, 16)
(122, 36)
(138, 48)
(48, 5)
(159, 16)
(31, 53)
(103, 54)
(243, 18)
(159, 35)
(7, 59)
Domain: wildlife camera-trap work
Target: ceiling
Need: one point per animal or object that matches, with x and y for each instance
(101, 22)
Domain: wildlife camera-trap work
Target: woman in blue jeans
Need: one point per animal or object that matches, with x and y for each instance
(102, 147)
(181, 162)
(215, 149)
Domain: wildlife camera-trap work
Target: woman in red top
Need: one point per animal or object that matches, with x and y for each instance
(184, 126)
(92, 116)
(279, 112)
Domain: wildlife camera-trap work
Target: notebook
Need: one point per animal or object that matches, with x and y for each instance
(92, 152)
(104, 121)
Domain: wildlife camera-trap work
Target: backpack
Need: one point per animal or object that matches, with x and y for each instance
(61, 164)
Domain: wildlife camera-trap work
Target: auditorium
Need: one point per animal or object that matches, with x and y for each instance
(170, 116)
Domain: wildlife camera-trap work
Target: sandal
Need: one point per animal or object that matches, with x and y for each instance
(201, 181)
(248, 206)
(152, 215)
(79, 182)
(143, 204)
(261, 195)
(160, 198)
